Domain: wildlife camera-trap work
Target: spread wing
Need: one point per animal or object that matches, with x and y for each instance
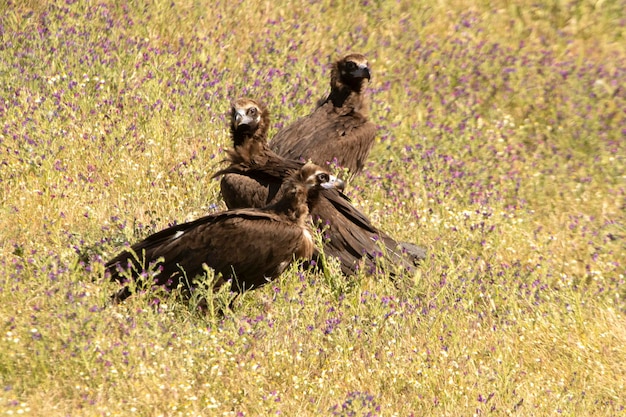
(223, 242)
(351, 237)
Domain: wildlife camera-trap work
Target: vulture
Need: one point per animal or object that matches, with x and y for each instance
(248, 246)
(338, 130)
(256, 176)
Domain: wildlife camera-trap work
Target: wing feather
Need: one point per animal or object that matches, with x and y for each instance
(247, 245)
(326, 135)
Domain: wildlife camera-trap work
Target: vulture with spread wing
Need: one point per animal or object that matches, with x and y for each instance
(248, 246)
(256, 177)
(338, 130)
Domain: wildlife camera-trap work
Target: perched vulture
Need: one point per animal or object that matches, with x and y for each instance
(256, 177)
(338, 130)
(248, 246)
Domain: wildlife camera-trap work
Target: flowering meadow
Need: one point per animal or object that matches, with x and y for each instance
(501, 149)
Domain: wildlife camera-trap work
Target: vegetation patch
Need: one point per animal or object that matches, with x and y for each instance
(501, 143)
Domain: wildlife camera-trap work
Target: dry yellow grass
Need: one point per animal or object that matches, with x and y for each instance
(500, 148)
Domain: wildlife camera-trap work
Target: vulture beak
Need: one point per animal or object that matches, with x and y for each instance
(333, 182)
(362, 71)
(241, 118)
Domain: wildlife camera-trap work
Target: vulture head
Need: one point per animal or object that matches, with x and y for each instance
(351, 71)
(315, 177)
(248, 118)
(303, 186)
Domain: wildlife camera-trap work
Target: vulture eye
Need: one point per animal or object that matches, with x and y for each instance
(323, 177)
(350, 66)
(252, 111)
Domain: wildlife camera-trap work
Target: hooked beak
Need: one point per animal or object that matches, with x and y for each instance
(361, 72)
(334, 182)
(241, 118)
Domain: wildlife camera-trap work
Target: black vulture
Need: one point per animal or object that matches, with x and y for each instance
(249, 246)
(255, 178)
(338, 130)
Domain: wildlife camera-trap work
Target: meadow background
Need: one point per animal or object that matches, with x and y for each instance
(501, 148)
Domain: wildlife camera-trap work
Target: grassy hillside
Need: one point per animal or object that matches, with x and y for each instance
(501, 148)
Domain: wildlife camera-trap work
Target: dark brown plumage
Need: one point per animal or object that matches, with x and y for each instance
(338, 130)
(249, 124)
(250, 246)
(255, 178)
